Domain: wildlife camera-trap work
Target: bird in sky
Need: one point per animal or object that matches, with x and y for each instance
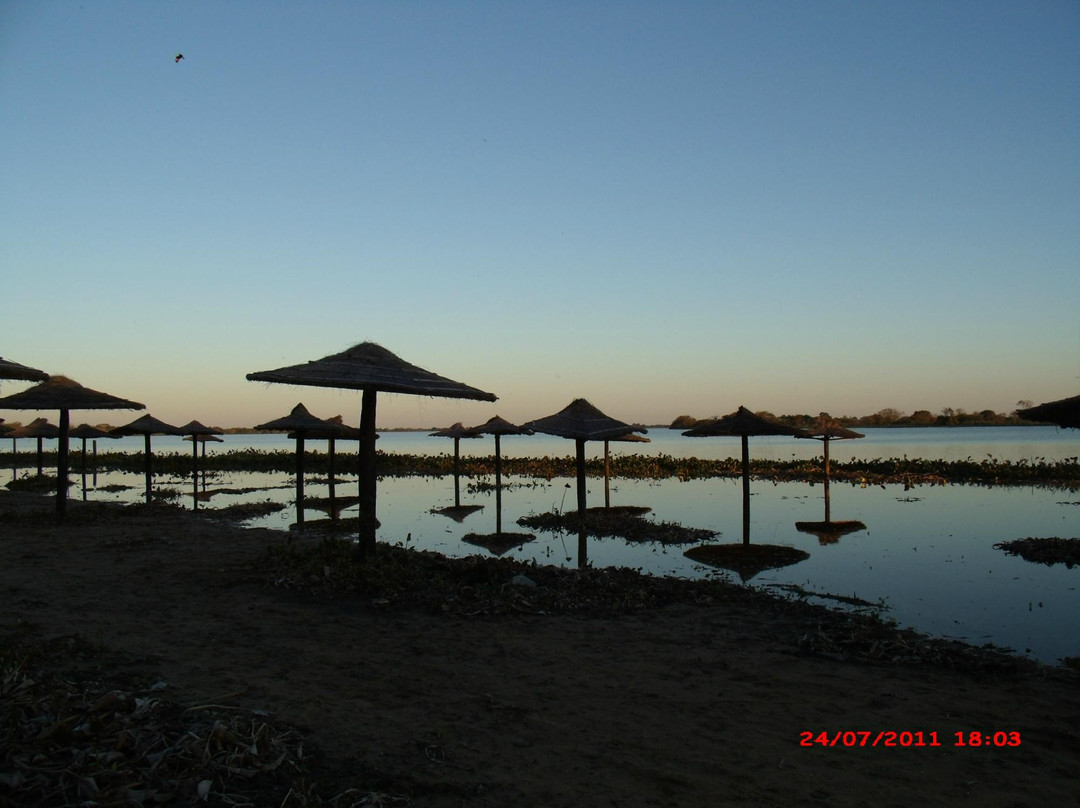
(179, 56)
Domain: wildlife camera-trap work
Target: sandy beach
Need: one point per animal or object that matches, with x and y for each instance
(702, 702)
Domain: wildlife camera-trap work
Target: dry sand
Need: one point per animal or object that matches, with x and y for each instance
(677, 706)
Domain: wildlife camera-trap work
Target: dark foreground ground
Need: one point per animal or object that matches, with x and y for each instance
(162, 647)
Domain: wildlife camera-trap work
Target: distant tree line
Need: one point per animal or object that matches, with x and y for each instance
(949, 416)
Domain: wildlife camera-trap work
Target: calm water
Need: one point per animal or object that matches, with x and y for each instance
(957, 443)
(927, 553)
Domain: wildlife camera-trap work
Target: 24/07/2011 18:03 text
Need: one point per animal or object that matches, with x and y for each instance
(973, 739)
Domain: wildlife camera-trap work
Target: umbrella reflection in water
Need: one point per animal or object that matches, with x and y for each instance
(828, 531)
(499, 542)
(457, 511)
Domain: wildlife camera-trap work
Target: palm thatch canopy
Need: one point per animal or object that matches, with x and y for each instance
(456, 431)
(196, 428)
(831, 433)
(368, 366)
(86, 431)
(580, 420)
(630, 437)
(5, 429)
(147, 425)
(38, 428)
(13, 370)
(62, 393)
(500, 426)
(1063, 412)
(203, 438)
(335, 429)
(739, 423)
(300, 420)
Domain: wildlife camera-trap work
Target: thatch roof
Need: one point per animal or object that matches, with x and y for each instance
(146, 425)
(630, 437)
(741, 422)
(62, 393)
(500, 426)
(87, 431)
(38, 428)
(13, 370)
(1063, 412)
(205, 438)
(335, 430)
(580, 420)
(456, 431)
(831, 433)
(195, 428)
(300, 420)
(368, 366)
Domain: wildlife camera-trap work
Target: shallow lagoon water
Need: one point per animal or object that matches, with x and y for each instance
(926, 554)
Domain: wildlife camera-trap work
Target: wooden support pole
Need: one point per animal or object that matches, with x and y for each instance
(300, 478)
(745, 489)
(581, 477)
(457, 471)
(148, 471)
(62, 463)
(368, 481)
(498, 486)
(607, 475)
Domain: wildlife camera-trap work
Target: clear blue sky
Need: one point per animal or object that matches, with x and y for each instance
(663, 207)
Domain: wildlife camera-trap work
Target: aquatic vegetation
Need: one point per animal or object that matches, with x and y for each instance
(909, 472)
(1044, 551)
(242, 510)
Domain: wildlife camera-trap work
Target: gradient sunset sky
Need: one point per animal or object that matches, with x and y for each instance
(664, 207)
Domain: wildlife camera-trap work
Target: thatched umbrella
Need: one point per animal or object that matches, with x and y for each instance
(457, 432)
(580, 421)
(300, 423)
(13, 370)
(62, 393)
(194, 429)
(146, 426)
(1063, 412)
(372, 369)
(87, 432)
(38, 428)
(498, 427)
(827, 433)
(335, 432)
(202, 440)
(742, 423)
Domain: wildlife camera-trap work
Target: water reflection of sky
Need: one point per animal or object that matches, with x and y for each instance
(927, 552)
